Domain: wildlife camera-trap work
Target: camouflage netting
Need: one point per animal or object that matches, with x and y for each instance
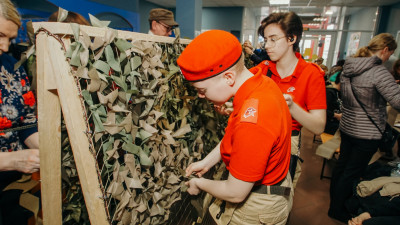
(146, 126)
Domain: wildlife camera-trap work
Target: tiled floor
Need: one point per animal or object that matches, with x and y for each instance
(311, 198)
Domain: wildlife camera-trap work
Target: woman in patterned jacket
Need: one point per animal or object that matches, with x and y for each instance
(19, 139)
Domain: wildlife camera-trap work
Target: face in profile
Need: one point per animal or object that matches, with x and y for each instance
(276, 42)
(161, 29)
(8, 32)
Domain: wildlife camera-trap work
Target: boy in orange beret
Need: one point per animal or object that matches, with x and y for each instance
(256, 145)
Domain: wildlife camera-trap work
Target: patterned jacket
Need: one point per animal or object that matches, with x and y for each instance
(375, 87)
(17, 105)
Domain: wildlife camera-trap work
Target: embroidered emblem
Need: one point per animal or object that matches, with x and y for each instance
(266, 62)
(291, 89)
(250, 111)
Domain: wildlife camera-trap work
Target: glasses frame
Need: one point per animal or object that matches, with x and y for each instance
(272, 41)
(169, 28)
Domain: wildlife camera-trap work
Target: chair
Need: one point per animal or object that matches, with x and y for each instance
(329, 147)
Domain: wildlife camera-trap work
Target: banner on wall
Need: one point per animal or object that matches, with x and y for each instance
(353, 43)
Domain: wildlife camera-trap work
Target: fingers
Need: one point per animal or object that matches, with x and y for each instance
(224, 109)
(288, 98)
(200, 174)
(192, 187)
(189, 170)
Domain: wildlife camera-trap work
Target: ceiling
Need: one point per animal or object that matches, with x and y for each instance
(296, 3)
(308, 10)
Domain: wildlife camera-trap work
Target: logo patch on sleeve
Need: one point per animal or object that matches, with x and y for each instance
(250, 111)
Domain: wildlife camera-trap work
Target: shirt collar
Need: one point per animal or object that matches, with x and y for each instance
(246, 89)
(301, 64)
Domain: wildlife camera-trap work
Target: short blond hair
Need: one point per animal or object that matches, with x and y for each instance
(9, 12)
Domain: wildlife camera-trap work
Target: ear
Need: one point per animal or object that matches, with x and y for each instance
(230, 78)
(385, 50)
(153, 23)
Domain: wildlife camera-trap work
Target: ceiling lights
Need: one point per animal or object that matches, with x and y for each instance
(319, 19)
(329, 12)
(279, 2)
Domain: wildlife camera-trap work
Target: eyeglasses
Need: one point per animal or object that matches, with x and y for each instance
(169, 28)
(272, 41)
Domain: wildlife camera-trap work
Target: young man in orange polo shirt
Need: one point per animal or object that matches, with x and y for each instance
(256, 145)
(301, 83)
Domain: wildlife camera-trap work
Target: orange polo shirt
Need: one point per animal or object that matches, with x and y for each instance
(306, 84)
(256, 145)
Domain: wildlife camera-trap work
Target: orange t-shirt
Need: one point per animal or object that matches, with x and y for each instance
(306, 84)
(256, 145)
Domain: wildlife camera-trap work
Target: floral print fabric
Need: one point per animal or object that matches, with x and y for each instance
(17, 105)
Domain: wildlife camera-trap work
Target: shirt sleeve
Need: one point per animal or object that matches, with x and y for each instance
(251, 150)
(316, 91)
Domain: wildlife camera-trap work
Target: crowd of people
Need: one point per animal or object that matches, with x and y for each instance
(346, 98)
(272, 102)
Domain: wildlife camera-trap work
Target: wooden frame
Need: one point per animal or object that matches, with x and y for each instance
(57, 90)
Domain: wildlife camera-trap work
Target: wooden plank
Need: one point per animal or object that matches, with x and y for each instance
(76, 126)
(49, 120)
(65, 28)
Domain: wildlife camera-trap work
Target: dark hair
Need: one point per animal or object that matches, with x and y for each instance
(340, 62)
(72, 17)
(337, 80)
(377, 43)
(289, 22)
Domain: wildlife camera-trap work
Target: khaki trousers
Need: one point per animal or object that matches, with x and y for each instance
(256, 209)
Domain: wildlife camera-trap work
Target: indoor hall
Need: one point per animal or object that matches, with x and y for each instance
(121, 123)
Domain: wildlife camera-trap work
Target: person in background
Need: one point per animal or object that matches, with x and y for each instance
(72, 17)
(256, 144)
(334, 71)
(256, 55)
(161, 22)
(365, 77)
(382, 213)
(19, 148)
(301, 83)
(319, 62)
(336, 68)
(334, 105)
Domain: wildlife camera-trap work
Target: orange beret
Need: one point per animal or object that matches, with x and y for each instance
(209, 54)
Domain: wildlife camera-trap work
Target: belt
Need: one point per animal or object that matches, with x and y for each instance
(275, 189)
(295, 132)
(271, 190)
